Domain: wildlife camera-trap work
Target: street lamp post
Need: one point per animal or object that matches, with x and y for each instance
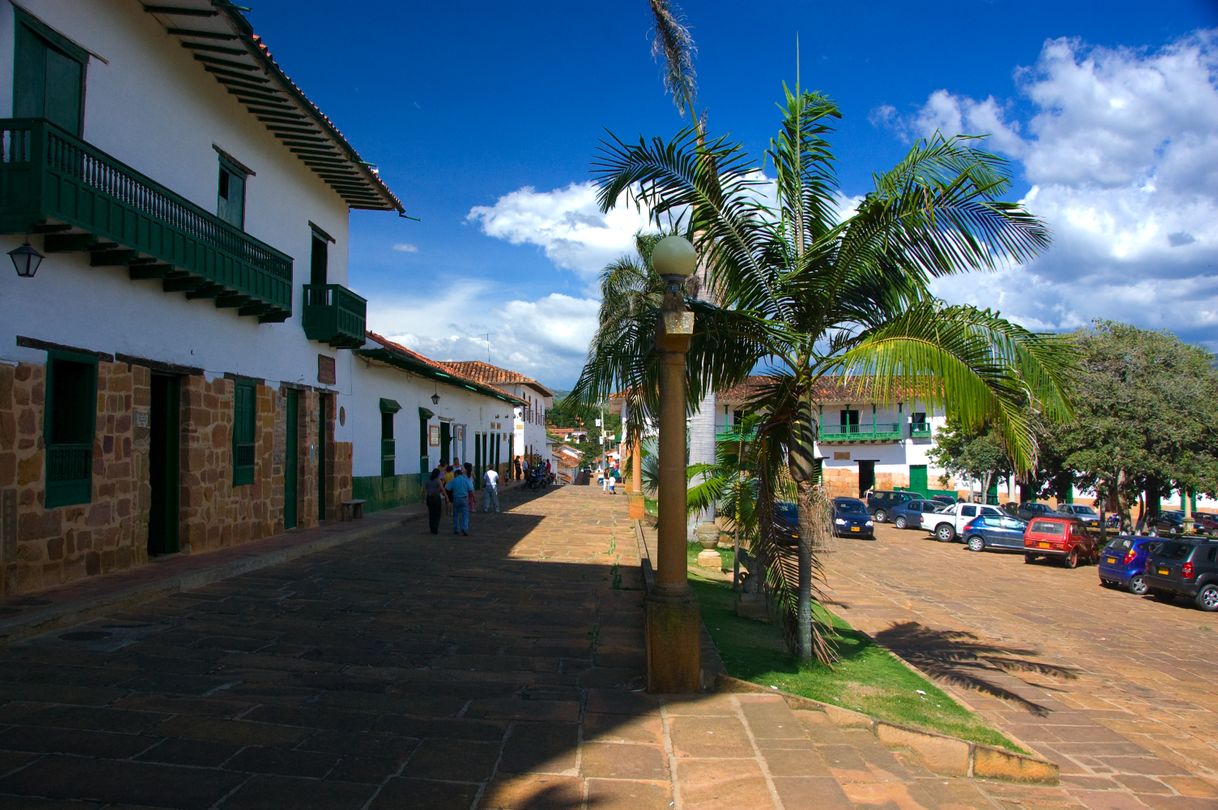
(673, 623)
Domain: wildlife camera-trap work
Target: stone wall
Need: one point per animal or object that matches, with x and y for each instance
(110, 533)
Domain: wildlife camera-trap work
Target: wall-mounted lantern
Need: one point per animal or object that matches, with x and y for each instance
(26, 260)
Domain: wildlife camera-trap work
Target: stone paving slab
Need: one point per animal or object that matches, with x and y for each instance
(406, 670)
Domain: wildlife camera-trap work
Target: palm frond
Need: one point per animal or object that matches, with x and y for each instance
(673, 40)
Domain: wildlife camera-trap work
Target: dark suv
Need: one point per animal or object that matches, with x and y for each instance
(1183, 567)
(880, 503)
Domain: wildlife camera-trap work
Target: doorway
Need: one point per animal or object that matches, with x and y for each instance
(323, 440)
(164, 467)
(445, 440)
(866, 476)
(291, 462)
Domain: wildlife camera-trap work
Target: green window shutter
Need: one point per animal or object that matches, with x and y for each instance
(230, 202)
(388, 446)
(48, 75)
(319, 260)
(69, 425)
(245, 422)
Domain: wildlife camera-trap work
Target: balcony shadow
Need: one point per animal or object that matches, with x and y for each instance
(961, 659)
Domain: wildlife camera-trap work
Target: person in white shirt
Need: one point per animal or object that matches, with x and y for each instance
(490, 491)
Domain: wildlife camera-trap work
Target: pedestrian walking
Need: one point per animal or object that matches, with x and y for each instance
(490, 491)
(473, 500)
(433, 489)
(459, 489)
(516, 472)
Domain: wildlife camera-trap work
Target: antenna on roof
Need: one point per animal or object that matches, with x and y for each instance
(488, 347)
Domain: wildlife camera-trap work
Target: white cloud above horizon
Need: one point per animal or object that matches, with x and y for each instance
(1120, 155)
(405, 247)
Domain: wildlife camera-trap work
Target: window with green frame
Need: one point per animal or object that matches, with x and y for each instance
(245, 423)
(389, 407)
(230, 202)
(48, 74)
(69, 424)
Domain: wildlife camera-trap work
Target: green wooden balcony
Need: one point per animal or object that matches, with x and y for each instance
(919, 430)
(876, 432)
(83, 199)
(335, 315)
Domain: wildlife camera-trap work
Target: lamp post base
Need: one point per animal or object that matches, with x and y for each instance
(674, 644)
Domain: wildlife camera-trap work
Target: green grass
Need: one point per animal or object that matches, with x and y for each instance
(867, 678)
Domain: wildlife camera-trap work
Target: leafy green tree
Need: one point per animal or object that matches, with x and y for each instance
(978, 455)
(1146, 419)
(807, 293)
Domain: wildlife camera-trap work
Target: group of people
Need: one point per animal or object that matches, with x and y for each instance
(521, 468)
(452, 486)
(609, 478)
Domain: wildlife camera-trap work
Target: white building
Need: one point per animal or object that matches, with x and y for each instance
(529, 426)
(411, 413)
(176, 376)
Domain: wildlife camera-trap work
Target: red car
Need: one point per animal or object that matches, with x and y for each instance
(1059, 537)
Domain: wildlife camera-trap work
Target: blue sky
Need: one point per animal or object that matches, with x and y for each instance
(483, 117)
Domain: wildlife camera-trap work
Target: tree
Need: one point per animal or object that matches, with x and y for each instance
(807, 295)
(978, 455)
(1147, 416)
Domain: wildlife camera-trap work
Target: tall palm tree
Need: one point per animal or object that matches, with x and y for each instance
(808, 294)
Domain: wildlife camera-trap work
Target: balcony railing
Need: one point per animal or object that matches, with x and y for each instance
(335, 315)
(53, 182)
(877, 432)
(919, 430)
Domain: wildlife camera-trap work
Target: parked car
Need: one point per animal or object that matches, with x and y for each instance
(994, 532)
(1087, 514)
(1171, 524)
(908, 515)
(1184, 568)
(850, 518)
(947, 525)
(1011, 508)
(1206, 523)
(880, 503)
(1059, 537)
(946, 500)
(1033, 509)
(1123, 562)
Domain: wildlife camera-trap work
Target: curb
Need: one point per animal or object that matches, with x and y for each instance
(942, 754)
(38, 621)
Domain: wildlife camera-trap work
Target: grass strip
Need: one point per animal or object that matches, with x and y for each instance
(867, 678)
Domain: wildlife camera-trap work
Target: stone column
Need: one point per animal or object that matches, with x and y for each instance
(635, 498)
(673, 621)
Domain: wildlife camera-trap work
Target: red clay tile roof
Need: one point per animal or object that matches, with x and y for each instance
(458, 377)
(486, 373)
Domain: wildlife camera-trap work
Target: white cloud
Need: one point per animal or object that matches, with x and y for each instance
(546, 338)
(1120, 154)
(566, 223)
(405, 247)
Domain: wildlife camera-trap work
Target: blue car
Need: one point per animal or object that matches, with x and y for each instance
(851, 519)
(908, 515)
(1123, 560)
(997, 532)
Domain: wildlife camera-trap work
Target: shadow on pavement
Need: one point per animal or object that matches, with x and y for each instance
(958, 657)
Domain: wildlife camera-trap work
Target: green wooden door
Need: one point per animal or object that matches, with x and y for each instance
(445, 439)
(323, 433)
(291, 471)
(164, 465)
(917, 479)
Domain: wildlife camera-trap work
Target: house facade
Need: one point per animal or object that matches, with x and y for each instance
(177, 375)
(529, 420)
(411, 413)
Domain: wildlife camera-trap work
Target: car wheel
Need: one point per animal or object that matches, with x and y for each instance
(1072, 558)
(1029, 559)
(1207, 598)
(945, 533)
(976, 543)
(880, 516)
(1137, 584)
(900, 522)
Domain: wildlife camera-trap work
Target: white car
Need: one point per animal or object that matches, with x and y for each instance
(950, 523)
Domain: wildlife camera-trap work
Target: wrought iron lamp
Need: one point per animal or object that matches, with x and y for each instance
(26, 260)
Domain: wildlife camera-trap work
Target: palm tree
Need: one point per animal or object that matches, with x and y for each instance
(808, 294)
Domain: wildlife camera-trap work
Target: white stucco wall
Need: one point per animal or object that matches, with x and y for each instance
(372, 381)
(149, 104)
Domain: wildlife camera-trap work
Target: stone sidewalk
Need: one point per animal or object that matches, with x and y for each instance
(402, 669)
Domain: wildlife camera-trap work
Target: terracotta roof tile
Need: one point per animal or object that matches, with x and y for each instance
(457, 374)
(486, 373)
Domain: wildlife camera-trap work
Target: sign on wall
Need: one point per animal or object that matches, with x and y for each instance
(326, 375)
(433, 435)
(841, 455)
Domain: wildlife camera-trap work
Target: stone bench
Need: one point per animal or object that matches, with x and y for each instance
(352, 509)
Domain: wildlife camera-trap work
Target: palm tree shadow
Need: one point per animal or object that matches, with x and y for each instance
(960, 658)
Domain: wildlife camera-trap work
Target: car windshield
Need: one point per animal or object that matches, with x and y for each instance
(1083, 510)
(850, 507)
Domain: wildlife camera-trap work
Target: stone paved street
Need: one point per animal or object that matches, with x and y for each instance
(1118, 690)
(503, 670)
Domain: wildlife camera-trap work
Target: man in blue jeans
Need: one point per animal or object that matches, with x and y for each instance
(460, 488)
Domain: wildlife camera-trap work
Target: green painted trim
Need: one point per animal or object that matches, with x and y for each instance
(409, 364)
(389, 405)
(62, 490)
(245, 425)
(387, 492)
